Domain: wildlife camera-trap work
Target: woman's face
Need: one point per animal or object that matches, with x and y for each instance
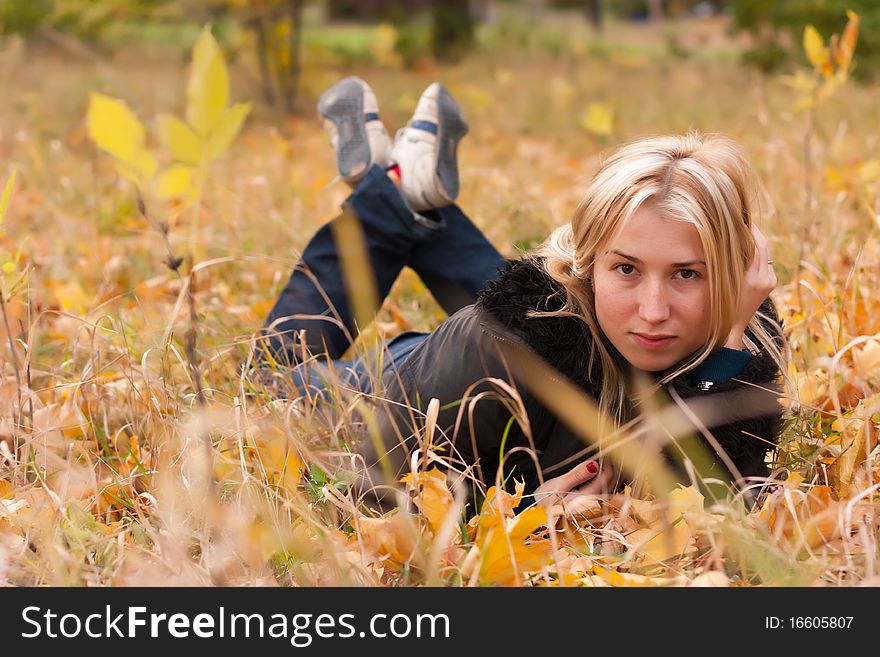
(651, 280)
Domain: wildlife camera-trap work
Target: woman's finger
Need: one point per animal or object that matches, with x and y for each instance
(599, 484)
(579, 474)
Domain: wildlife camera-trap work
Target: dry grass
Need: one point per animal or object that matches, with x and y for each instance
(103, 473)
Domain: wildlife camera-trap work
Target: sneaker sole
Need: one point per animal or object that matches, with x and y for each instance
(343, 104)
(450, 131)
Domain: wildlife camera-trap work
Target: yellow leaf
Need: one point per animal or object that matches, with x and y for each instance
(145, 163)
(394, 537)
(383, 45)
(4, 201)
(179, 139)
(280, 459)
(816, 51)
(72, 297)
(505, 552)
(175, 181)
(616, 578)
(667, 543)
(849, 39)
(115, 129)
(432, 495)
(227, 130)
(672, 538)
(686, 500)
(801, 81)
(8, 267)
(598, 119)
(207, 93)
(527, 522)
(852, 450)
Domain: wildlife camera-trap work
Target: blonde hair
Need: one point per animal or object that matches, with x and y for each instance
(702, 180)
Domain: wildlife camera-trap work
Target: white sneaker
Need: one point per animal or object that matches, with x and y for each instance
(426, 150)
(351, 118)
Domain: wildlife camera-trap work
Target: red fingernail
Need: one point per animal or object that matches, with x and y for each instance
(592, 467)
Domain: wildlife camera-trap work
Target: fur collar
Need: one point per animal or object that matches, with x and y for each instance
(564, 342)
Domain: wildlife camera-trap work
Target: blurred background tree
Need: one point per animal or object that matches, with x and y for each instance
(778, 26)
(282, 42)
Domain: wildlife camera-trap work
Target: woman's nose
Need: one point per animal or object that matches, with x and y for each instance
(653, 304)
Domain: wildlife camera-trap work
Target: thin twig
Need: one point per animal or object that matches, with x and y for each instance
(15, 365)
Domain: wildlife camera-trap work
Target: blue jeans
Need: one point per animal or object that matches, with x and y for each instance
(451, 256)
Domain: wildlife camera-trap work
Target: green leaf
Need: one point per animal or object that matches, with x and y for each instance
(115, 129)
(179, 139)
(175, 181)
(4, 201)
(207, 93)
(227, 130)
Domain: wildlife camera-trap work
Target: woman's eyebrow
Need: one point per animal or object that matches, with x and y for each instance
(674, 264)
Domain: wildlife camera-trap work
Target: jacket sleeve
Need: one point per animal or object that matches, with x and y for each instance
(747, 409)
(483, 414)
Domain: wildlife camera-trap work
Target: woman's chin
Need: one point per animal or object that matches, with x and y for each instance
(649, 363)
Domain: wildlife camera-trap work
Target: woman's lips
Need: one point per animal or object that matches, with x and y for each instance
(652, 344)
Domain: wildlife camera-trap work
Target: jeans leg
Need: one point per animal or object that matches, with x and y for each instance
(457, 262)
(314, 378)
(315, 299)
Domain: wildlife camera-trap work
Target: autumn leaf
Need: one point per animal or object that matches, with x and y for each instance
(846, 46)
(672, 538)
(4, 200)
(619, 579)
(392, 537)
(177, 180)
(227, 130)
(179, 139)
(598, 119)
(279, 457)
(866, 359)
(505, 551)
(382, 48)
(817, 52)
(432, 496)
(116, 129)
(71, 296)
(207, 93)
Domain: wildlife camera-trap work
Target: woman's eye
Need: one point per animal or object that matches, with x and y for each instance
(625, 273)
(691, 272)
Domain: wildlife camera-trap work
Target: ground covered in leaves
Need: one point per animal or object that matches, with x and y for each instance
(104, 445)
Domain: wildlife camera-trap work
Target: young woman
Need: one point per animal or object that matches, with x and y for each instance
(661, 274)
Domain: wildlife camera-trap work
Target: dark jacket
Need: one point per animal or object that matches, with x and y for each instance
(467, 357)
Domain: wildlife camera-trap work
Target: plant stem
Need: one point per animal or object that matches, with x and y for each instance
(15, 365)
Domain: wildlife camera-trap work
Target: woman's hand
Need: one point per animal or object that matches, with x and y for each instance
(758, 282)
(584, 479)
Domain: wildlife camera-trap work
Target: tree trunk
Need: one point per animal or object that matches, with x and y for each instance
(655, 10)
(294, 8)
(453, 32)
(258, 25)
(594, 13)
